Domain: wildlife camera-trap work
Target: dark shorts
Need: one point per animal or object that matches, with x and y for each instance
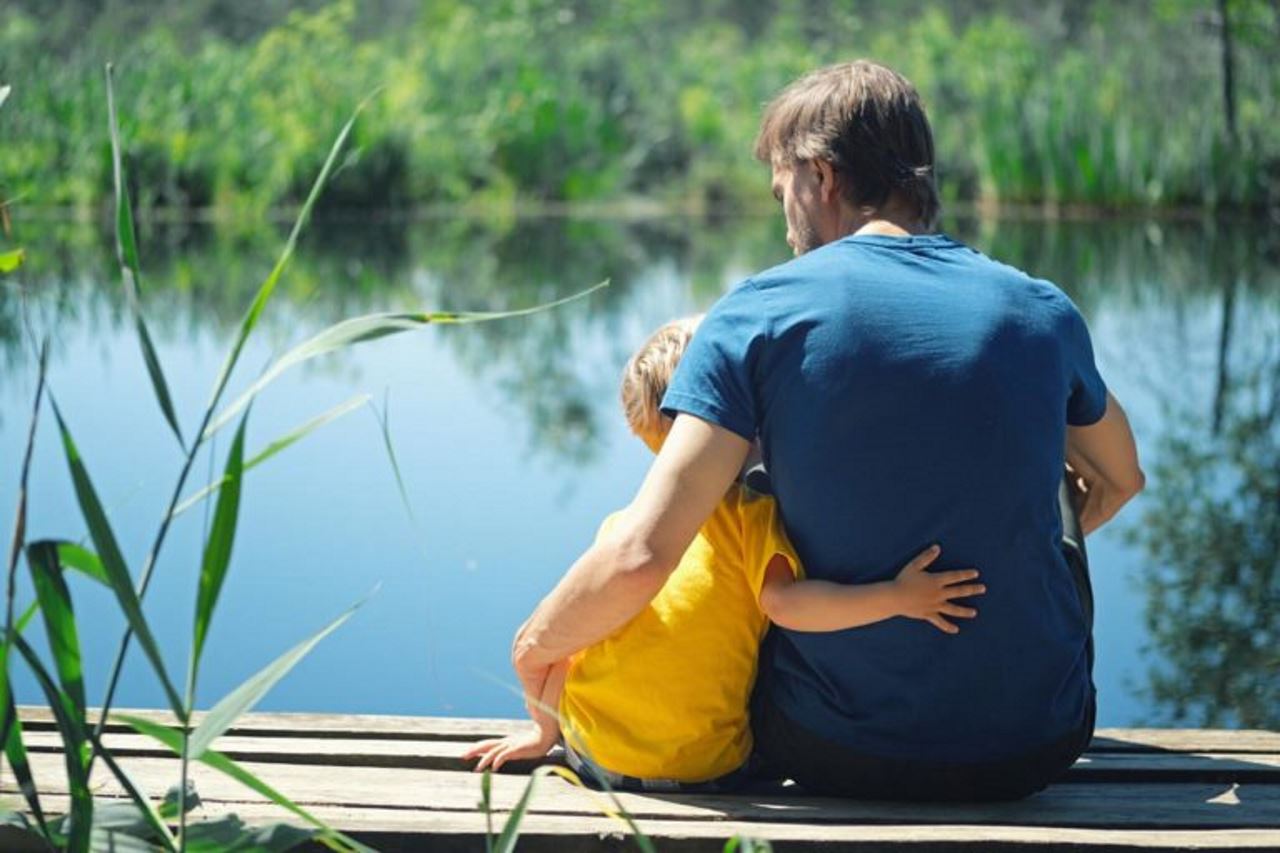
(595, 776)
(822, 766)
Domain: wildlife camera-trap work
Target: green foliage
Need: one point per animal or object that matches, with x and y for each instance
(504, 100)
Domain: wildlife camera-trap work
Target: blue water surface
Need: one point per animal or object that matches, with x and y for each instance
(512, 445)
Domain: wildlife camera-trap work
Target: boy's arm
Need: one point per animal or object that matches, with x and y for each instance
(814, 605)
(532, 743)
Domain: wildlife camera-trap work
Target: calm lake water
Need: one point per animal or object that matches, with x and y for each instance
(513, 447)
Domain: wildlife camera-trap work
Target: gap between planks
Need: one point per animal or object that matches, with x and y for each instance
(1133, 806)
(387, 727)
(447, 755)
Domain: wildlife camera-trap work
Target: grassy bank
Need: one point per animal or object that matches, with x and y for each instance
(497, 101)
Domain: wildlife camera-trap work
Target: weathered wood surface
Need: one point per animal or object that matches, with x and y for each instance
(447, 755)
(398, 783)
(399, 829)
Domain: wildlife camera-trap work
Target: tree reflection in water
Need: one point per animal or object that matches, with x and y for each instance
(1211, 529)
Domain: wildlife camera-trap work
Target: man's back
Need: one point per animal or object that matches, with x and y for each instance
(910, 391)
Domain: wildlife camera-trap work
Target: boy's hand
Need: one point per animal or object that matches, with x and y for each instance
(927, 595)
(493, 753)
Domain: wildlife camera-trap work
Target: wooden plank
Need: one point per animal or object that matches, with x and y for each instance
(1175, 805)
(379, 726)
(1185, 740)
(403, 829)
(446, 755)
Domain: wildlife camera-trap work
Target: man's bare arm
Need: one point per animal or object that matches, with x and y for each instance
(625, 569)
(1105, 458)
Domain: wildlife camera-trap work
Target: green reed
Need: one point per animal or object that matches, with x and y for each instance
(89, 824)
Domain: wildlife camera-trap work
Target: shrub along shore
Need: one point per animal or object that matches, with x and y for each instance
(227, 106)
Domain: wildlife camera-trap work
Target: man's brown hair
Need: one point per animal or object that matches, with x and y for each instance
(868, 122)
(647, 374)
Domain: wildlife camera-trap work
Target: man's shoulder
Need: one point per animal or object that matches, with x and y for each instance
(831, 260)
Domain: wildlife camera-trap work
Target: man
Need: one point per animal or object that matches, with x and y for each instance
(906, 390)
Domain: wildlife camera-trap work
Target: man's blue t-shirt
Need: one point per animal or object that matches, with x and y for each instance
(907, 391)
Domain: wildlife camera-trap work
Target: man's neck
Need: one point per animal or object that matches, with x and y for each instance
(888, 228)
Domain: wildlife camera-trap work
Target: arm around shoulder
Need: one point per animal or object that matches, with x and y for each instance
(620, 574)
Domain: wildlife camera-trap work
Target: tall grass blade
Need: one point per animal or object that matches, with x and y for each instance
(293, 436)
(246, 327)
(384, 425)
(59, 620)
(11, 260)
(572, 738)
(506, 841)
(486, 807)
(130, 273)
(268, 286)
(15, 749)
(72, 555)
(27, 615)
(216, 760)
(223, 715)
(213, 572)
(104, 541)
(367, 328)
(11, 728)
(148, 812)
(20, 514)
(217, 553)
(71, 729)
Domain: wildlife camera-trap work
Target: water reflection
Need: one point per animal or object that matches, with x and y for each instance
(1186, 320)
(1211, 529)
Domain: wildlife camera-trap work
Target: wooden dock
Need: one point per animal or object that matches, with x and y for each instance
(397, 783)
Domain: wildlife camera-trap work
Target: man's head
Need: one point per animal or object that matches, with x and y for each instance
(848, 143)
(646, 376)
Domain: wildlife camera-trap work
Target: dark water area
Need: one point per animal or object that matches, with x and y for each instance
(512, 444)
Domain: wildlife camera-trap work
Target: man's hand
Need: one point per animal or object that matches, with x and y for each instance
(531, 744)
(1103, 459)
(928, 595)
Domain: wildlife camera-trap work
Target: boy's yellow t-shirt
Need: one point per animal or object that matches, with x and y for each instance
(666, 696)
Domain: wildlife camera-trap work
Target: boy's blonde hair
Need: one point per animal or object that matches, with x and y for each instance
(647, 374)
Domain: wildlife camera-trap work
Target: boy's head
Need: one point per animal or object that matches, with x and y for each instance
(646, 376)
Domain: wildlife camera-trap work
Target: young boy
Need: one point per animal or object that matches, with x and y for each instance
(662, 704)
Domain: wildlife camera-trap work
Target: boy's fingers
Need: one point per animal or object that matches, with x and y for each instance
(480, 748)
(958, 611)
(943, 625)
(964, 591)
(922, 560)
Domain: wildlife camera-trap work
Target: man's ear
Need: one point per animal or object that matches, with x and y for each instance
(828, 180)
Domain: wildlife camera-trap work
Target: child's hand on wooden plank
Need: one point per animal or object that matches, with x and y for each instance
(495, 752)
